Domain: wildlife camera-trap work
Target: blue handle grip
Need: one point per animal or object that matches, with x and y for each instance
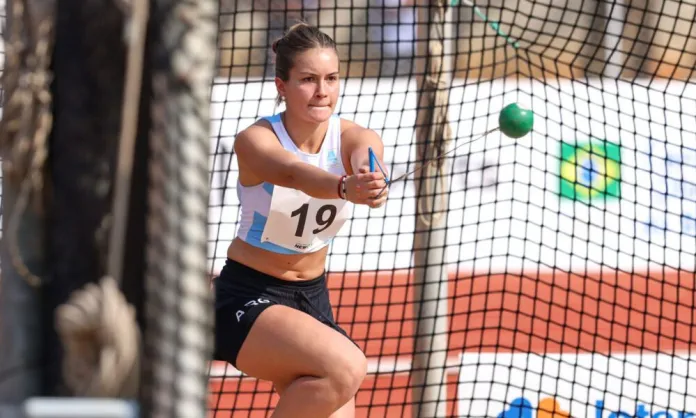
(373, 161)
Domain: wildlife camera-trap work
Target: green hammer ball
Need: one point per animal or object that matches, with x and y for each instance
(515, 121)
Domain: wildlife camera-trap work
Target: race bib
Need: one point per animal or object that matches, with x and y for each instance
(302, 223)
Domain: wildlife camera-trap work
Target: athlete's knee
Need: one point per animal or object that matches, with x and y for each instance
(348, 373)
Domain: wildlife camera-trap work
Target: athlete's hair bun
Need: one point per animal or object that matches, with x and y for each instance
(274, 46)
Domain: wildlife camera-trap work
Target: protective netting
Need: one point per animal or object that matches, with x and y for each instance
(570, 252)
(571, 277)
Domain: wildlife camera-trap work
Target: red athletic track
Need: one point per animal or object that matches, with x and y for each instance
(551, 312)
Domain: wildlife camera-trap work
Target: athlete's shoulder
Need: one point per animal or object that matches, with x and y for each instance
(352, 131)
(260, 127)
(257, 136)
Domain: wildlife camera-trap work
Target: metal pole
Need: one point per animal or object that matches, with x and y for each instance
(434, 67)
(179, 308)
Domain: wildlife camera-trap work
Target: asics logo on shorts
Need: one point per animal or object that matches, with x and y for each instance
(253, 302)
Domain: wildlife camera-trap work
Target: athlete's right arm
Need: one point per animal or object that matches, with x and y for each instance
(259, 151)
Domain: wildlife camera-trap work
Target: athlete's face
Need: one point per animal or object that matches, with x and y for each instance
(311, 92)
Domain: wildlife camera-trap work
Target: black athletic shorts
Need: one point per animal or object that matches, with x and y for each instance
(242, 293)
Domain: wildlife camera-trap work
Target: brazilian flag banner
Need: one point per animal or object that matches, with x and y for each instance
(590, 171)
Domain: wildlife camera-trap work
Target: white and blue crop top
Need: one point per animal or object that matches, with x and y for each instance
(288, 221)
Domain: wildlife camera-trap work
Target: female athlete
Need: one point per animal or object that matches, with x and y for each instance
(299, 173)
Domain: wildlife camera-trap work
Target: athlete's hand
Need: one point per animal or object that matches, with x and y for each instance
(379, 199)
(364, 188)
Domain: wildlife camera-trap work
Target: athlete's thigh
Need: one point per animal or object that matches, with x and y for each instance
(346, 411)
(285, 344)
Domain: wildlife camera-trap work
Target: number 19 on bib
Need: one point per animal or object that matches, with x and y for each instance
(301, 223)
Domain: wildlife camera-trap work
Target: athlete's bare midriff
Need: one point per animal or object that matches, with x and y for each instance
(295, 267)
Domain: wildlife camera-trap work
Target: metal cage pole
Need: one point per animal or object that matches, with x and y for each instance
(434, 67)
